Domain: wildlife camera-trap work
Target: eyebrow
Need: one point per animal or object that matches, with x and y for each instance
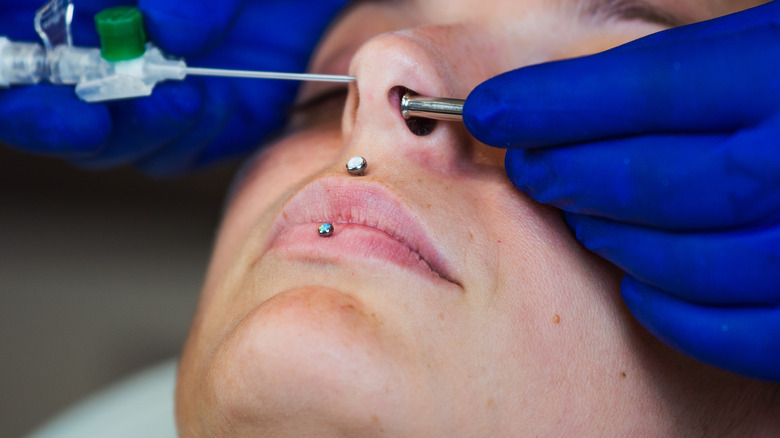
(631, 10)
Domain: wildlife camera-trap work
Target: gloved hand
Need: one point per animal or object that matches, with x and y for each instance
(664, 154)
(182, 125)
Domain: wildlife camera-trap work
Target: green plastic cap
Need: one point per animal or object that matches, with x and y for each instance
(121, 31)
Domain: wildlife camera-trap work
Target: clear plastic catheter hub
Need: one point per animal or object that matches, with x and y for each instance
(124, 67)
(98, 80)
(95, 78)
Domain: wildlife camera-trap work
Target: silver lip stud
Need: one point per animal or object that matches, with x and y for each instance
(325, 229)
(356, 166)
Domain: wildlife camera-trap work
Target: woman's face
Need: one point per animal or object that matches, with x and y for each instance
(446, 302)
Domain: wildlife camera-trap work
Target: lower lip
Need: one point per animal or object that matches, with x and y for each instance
(349, 241)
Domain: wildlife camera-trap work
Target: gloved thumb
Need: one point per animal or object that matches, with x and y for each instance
(187, 28)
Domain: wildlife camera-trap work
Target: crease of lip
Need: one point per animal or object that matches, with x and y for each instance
(370, 204)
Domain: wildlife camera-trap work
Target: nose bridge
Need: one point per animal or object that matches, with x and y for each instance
(373, 124)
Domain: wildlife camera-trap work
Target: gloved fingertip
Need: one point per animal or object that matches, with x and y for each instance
(144, 125)
(597, 235)
(588, 233)
(534, 173)
(572, 220)
(743, 340)
(513, 166)
(209, 128)
(657, 313)
(179, 100)
(180, 37)
(630, 289)
(90, 131)
(528, 174)
(482, 115)
(190, 28)
(50, 120)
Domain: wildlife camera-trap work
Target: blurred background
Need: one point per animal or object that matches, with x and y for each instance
(99, 277)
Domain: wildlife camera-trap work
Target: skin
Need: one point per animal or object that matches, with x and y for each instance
(527, 335)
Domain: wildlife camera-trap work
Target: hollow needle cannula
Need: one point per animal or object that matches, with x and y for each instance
(267, 75)
(439, 108)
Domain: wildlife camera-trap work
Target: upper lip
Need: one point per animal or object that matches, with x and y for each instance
(339, 201)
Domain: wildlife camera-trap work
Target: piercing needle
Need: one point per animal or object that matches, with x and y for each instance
(267, 75)
(438, 108)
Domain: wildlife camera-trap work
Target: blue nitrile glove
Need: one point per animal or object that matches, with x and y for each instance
(184, 124)
(664, 154)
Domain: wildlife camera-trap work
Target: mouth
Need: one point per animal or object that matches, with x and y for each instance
(369, 223)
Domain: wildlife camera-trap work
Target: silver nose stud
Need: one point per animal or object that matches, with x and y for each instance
(356, 166)
(325, 229)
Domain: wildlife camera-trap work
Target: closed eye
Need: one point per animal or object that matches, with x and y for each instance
(629, 10)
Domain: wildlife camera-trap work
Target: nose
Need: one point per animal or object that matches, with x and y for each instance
(386, 67)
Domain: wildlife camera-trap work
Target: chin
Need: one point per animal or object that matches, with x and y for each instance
(311, 361)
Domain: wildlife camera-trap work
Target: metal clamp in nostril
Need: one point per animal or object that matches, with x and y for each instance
(438, 108)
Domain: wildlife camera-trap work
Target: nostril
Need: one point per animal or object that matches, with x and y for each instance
(417, 125)
(395, 94)
(420, 126)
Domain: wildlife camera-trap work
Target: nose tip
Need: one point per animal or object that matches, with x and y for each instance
(398, 58)
(389, 67)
